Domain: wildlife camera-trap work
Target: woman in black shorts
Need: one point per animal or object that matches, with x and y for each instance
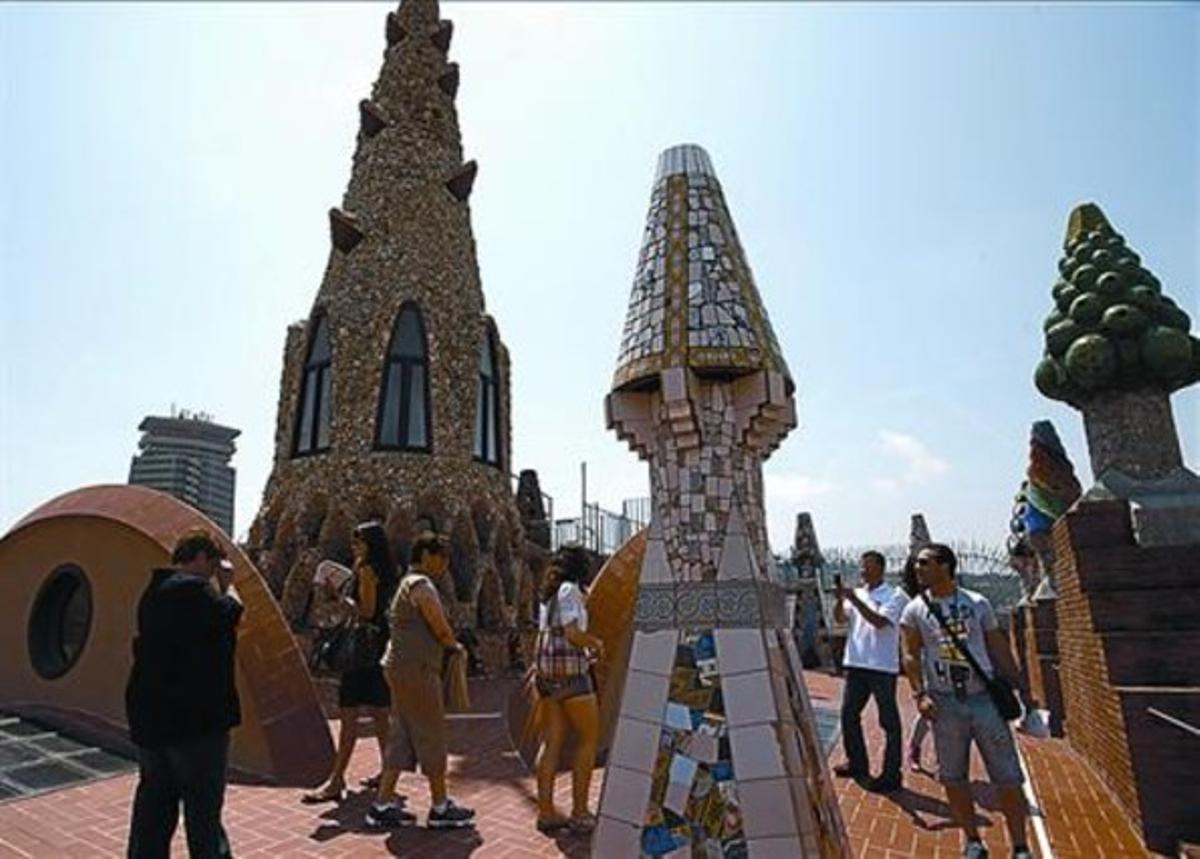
(363, 690)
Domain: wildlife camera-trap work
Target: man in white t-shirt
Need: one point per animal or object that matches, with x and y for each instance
(872, 662)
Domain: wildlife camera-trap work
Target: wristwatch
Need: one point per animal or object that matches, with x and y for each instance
(919, 694)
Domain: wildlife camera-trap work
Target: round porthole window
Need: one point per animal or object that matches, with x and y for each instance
(60, 622)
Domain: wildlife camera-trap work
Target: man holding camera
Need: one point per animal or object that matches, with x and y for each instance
(181, 700)
(872, 662)
(951, 640)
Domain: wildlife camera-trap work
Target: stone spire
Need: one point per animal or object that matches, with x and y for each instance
(400, 434)
(716, 749)
(413, 100)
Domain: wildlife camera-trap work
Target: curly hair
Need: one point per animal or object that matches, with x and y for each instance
(569, 564)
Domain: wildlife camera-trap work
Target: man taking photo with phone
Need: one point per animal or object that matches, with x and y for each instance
(872, 662)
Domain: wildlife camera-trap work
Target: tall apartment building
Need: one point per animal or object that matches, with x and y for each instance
(187, 455)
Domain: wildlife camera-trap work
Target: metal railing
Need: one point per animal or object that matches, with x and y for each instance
(603, 531)
(1172, 720)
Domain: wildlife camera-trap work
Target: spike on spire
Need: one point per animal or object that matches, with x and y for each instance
(393, 31)
(372, 119)
(448, 82)
(441, 38)
(344, 230)
(460, 183)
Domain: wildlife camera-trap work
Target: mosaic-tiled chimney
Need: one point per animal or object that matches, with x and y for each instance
(1050, 489)
(716, 747)
(808, 614)
(1117, 347)
(1127, 551)
(918, 534)
(806, 551)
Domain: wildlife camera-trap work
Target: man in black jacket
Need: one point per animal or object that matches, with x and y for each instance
(181, 700)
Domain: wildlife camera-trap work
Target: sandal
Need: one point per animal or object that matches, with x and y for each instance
(552, 824)
(370, 783)
(324, 795)
(582, 823)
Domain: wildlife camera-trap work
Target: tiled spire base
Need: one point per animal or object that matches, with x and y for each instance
(715, 751)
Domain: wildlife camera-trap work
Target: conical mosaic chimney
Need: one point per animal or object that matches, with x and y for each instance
(806, 551)
(918, 534)
(716, 748)
(394, 398)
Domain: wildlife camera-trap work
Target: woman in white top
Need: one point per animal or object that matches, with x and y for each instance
(566, 696)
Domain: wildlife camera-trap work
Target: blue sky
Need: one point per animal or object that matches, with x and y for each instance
(900, 176)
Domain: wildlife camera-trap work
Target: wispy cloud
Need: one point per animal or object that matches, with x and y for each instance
(795, 488)
(886, 485)
(920, 464)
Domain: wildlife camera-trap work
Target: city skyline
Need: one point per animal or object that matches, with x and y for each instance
(902, 206)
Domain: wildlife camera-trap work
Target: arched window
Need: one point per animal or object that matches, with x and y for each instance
(487, 408)
(312, 427)
(403, 421)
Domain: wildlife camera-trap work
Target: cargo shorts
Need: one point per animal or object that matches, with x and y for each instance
(975, 718)
(418, 734)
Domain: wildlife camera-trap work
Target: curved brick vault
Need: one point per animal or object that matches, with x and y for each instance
(116, 535)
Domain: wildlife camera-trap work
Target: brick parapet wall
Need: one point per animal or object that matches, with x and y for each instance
(1128, 627)
(1096, 726)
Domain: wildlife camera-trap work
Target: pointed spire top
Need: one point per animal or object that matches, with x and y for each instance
(694, 302)
(687, 159)
(1086, 218)
(418, 16)
(1112, 327)
(918, 534)
(1051, 483)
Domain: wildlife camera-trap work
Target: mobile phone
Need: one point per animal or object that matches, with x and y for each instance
(837, 580)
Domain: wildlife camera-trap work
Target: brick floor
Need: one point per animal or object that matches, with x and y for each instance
(1082, 818)
(92, 820)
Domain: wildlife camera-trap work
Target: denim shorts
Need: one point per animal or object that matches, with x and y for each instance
(567, 687)
(975, 718)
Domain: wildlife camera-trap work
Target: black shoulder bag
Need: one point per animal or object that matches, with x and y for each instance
(998, 688)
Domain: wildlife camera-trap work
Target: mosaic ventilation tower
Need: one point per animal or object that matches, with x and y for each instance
(716, 747)
(394, 398)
